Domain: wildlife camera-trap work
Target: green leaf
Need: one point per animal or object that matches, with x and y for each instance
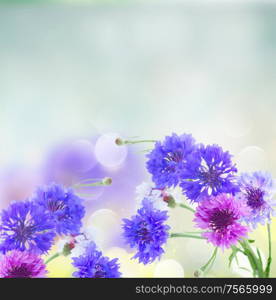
(260, 258)
(207, 267)
(233, 255)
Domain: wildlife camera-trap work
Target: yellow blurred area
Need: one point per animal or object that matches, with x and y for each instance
(263, 230)
(130, 267)
(60, 267)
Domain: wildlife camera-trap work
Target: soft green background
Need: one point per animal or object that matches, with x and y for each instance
(145, 68)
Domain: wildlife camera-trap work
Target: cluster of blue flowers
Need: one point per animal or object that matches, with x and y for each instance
(228, 203)
(200, 170)
(228, 206)
(204, 171)
(31, 226)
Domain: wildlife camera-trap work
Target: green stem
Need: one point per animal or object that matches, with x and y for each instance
(233, 255)
(269, 260)
(186, 207)
(251, 261)
(210, 262)
(104, 182)
(238, 249)
(254, 261)
(52, 258)
(186, 235)
(121, 142)
(261, 262)
(142, 141)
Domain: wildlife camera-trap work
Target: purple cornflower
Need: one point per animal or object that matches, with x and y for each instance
(25, 226)
(257, 190)
(92, 264)
(17, 264)
(167, 159)
(147, 232)
(210, 172)
(221, 216)
(63, 206)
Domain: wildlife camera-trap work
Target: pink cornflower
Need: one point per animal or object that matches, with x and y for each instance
(17, 264)
(221, 217)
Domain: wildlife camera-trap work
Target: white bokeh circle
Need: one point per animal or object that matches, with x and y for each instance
(252, 158)
(108, 153)
(168, 268)
(106, 224)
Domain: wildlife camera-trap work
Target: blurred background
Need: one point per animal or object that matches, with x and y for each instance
(74, 75)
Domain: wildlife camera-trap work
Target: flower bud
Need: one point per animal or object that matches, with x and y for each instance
(119, 142)
(107, 181)
(67, 248)
(197, 273)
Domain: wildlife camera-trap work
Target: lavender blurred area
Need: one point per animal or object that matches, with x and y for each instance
(75, 76)
(82, 161)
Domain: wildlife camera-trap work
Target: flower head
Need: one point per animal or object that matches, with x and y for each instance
(25, 226)
(147, 232)
(221, 216)
(92, 264)
(167, 159)
(17, 264)
(63, 206)
(257, 190)
(210, 172)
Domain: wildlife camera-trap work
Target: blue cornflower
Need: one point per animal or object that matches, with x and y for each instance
(209, 172)
(92, 264)
(25, 226)
(167, 159)
(63, 206)
(147, 232)
(257, 190)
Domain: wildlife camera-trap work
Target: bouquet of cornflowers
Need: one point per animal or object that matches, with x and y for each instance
(227, 206)
(53, 214)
